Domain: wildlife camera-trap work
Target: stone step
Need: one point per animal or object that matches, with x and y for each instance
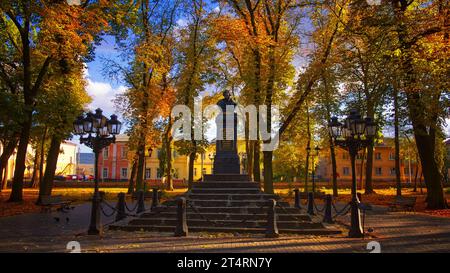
(226, 177)
(229, 196)
(250, 223)
(234, 203)
(226, 190)
(236, 210)
(226, 184)
(161, 228)
(230, 216)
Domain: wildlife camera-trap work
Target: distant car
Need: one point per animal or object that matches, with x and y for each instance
(60, 178)
(74, 177)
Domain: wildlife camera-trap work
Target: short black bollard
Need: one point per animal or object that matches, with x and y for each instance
(121, 214)
(327, 218)
(140, 200)
(272, 228)
(181, 229)
(311, 203)
(155, 198)
(297, 198)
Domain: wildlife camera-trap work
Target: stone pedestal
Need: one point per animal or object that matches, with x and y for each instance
(226, 160)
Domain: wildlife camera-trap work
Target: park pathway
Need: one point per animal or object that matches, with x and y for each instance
(394, 231)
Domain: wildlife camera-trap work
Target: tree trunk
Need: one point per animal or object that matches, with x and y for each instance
(41, 161)
(168, 138)
(369, 164)
(191, 169)
(249, 151)
(361, 169)
(416, 174)
(140, 167)
(45, 188)
(8, 150)
(417, 114)
(431, 174)
(397, 144)
(133, 175)
(256, 161)
(36, 163)
(308, 145)
(268, 172)
(17, 183)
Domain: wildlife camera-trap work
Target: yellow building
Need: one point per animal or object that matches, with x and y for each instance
(66, 164)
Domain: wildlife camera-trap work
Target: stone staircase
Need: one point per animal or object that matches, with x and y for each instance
(227, 203)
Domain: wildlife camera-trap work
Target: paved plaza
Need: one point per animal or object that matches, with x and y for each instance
(50, 232)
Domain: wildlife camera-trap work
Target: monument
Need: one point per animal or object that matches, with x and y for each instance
(226, 160)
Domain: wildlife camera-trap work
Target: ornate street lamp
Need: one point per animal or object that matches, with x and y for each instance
(354, 134)
(98, 129)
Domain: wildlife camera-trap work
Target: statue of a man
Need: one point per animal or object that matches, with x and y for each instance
(226, 159)
(227, 100)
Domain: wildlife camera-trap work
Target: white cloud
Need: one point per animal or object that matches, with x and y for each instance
(103, 94)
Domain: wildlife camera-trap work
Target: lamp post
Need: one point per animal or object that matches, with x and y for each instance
(98, 129)
(353, 135)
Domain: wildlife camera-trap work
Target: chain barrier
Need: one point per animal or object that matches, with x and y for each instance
(317, 208)
(106, 214)
(343, 211)
(114, 210)
(133, 209)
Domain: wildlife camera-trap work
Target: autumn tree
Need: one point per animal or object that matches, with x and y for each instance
(44, 33)
(144, 33)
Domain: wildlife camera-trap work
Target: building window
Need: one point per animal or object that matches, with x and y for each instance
(195, 171)
(105, 173)
(148, 173)
(158, 173)
(175, 154)
(346, 171)
(124, 152)
(345, 156)
(204, 171)
(175, 174)
(106, 152)
(392, 171)
(378, 171)
(391, 156)
(124, 172)
(378, 156)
